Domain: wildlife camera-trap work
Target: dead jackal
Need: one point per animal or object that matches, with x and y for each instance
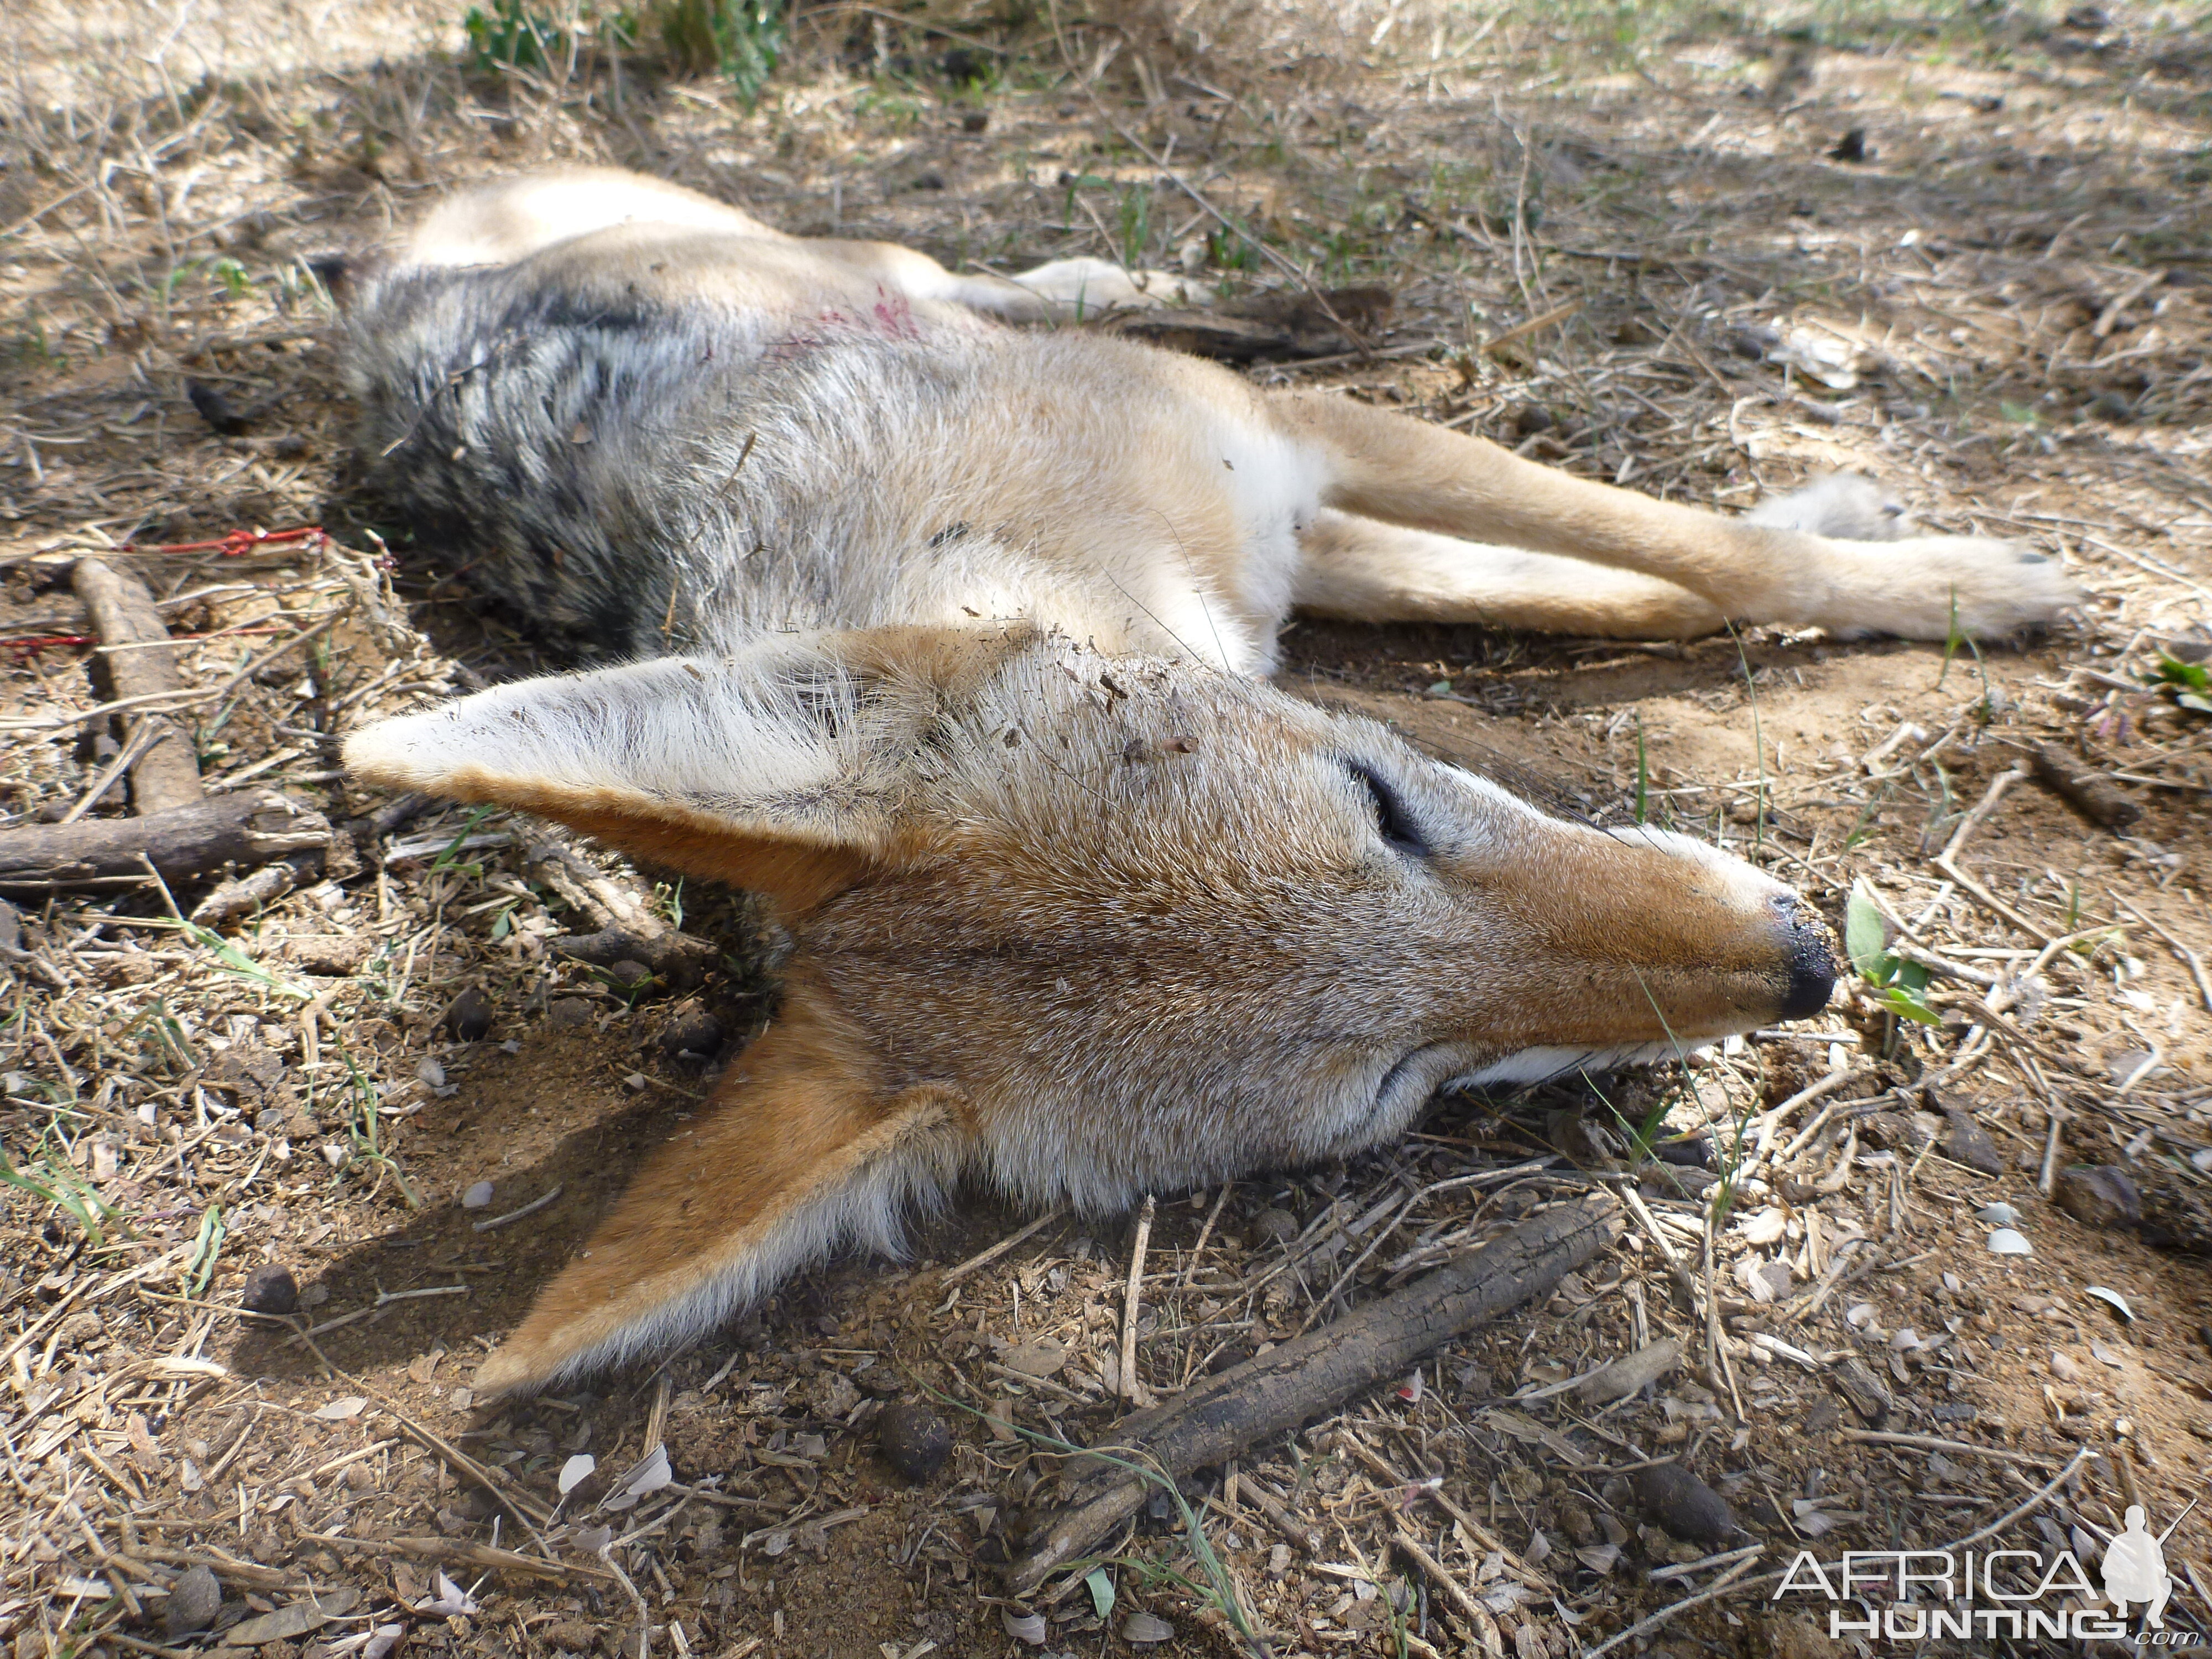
(952, 638)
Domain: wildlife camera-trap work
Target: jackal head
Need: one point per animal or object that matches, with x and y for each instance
(1082, 927)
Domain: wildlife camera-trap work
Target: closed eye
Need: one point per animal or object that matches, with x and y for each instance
(1392, 816)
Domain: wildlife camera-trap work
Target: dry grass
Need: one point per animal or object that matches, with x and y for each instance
(1616, 241)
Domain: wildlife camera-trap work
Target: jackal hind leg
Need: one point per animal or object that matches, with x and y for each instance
(1364, 570)
(1398, 471)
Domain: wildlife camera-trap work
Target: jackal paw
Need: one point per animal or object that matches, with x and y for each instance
(1927, 587)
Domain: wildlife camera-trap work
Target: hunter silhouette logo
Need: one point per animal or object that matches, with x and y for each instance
(2134, 1566)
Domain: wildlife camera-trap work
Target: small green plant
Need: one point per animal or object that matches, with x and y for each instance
(1230, 250)
(1642, 1137)
(171, 1049)
(1863, 826)
(508, 35)
(1758, 746)
(744, 39)
(1642, 775)
(1219, 1589)
(231, 960)
(1898, 985)
(450, 857)
(56, 1180)
(1136, 225)
(364, 1130)
(1953, 639)
(206, 1247)
(2190, 682)
(232, 277)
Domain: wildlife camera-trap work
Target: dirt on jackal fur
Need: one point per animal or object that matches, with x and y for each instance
(1701, 254)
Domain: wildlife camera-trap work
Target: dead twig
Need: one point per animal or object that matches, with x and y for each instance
(165, 772)
(1131, 1389)
(983, 1259)
(185, 843)
(1667, 1615)
(1219, 1418)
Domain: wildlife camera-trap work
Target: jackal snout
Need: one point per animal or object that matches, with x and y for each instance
(1812, 958)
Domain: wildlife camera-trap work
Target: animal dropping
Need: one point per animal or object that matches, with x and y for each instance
(952, 640)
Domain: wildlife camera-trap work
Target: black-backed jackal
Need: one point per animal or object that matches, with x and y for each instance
(953, 638)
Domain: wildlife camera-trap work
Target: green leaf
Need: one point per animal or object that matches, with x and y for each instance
(206, 1247)
(1101, 1587)
(2172, 670)
(1866, 935)
(1906, 1005)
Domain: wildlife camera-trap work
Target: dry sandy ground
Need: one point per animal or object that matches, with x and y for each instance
(1998, 307)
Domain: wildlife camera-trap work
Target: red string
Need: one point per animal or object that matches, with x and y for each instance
(238, 542)
(34, 644)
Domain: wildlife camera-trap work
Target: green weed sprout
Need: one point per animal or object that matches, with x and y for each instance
(1898, 985)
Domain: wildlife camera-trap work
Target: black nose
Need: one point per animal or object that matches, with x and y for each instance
(1812, 963)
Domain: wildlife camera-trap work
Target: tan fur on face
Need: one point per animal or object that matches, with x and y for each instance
(1101, 926)
(951, 639)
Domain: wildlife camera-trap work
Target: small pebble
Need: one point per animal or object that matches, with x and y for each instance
(2102, 1197)
(569, 1011)
(1685, 1505)
(269, 1290)
(693, 1036)
(468, 1018)
(478, 1197)
(1276, 1226)
(1143, 1630)
(1967, 1142)
(913, 1440)
(195, 1598)
(629, 975)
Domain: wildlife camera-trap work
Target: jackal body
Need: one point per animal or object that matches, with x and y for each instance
(951, 637)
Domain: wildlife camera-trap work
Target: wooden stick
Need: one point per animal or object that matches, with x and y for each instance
(1190, 1266)
(1935, 1442)
(1947, 860)
(1667, 1615)
(1217, 1418)
(185, 843)
(2033, 1503)
(1535, 1580)
(167, 773)
(983, 1259)
(460, 1552)
(1130, 1389)
(2089, 792)
(1469, 1609)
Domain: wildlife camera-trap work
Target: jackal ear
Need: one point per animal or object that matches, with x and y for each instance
(785, 769)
